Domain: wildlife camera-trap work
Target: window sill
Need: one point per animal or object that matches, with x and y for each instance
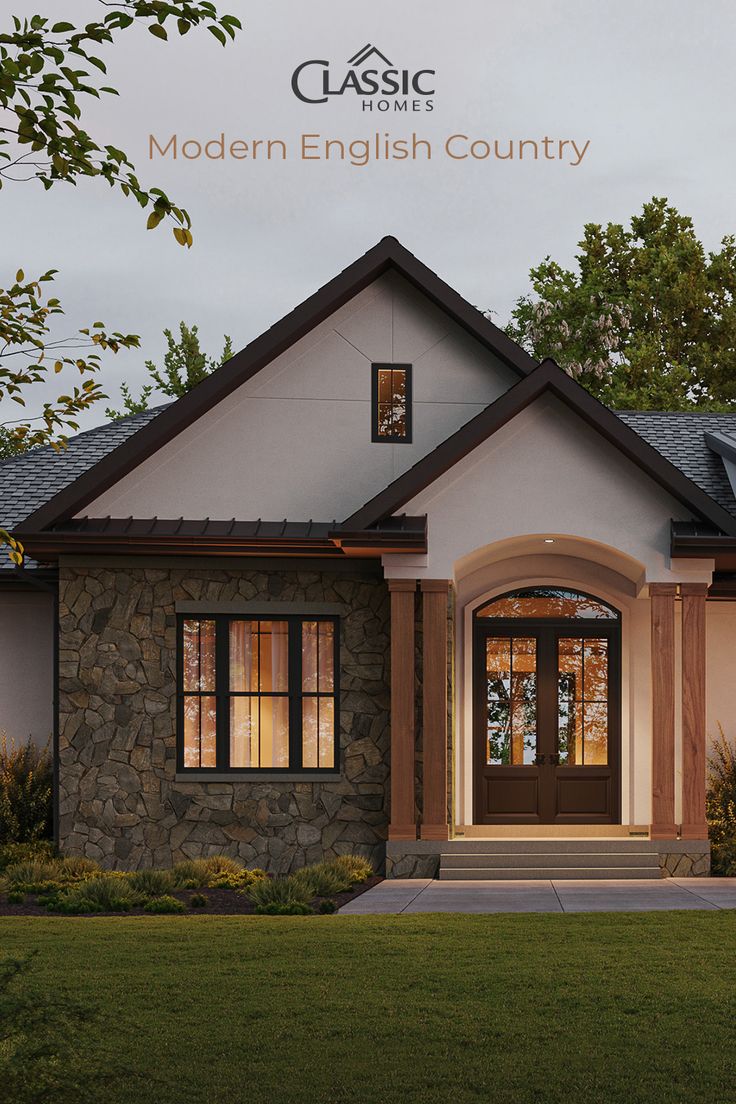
(265, 776)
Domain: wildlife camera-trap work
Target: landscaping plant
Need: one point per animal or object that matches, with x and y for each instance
(25, 792)
(721, 805)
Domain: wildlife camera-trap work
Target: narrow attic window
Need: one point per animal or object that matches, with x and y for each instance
(391, 403)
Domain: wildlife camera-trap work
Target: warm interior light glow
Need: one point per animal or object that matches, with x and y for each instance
(549, 540)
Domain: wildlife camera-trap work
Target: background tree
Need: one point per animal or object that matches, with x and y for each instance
(185, 365)
(48, 71)
(648, 321)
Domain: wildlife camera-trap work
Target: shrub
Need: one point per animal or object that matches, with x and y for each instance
(199, 900)
(721, 806)
(25, 792)
(190, 873)
(354, 867)
(296, 908)
(278, 891)
(32, 876)
(16, 897)
(164, 904)
(322, 880)
(106, 893)
(153, 883)
(327, 906)
(13, 853)
(76, 867)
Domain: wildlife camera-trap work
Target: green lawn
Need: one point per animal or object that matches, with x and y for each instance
(525, 1008)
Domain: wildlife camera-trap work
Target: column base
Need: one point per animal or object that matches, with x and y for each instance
(402, 831)
(694, 831)
(663, 831)
(434, 832)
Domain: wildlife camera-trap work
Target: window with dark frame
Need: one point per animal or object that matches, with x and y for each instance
(257, 693)
(391, 403)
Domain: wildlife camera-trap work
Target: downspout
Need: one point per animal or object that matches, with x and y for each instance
(53, 590)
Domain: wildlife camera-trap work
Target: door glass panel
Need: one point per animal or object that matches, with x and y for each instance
(511, 700)
(548, 602)
(582, 701)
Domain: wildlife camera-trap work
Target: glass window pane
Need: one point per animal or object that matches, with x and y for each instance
(200, 731)
(583, 701)
(511, 700)
(310, 732)
(385, 420)
(244, 655)
(199, 655)
(548, 602)
(326, 732)
(326, 636)
(244, 732)
(309, 656)
(385, 385)
(274, 732)
(273, 637)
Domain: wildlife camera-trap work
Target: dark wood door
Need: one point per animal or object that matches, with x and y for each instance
(546, 721)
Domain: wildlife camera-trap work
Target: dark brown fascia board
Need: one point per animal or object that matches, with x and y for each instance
(548, 377)
(690, 546)
(48, 546)
(388, 254)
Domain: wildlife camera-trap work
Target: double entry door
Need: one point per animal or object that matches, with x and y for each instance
(546, 723)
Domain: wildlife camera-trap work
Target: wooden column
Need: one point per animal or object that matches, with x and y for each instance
(663, 710)
(403, 820)
(694, 825)
(434, 708)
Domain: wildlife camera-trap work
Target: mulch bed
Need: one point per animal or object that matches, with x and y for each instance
(221, 902)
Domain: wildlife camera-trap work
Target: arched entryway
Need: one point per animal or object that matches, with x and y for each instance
(546, 708)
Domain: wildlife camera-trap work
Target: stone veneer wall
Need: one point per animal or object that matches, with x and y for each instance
(120, 801)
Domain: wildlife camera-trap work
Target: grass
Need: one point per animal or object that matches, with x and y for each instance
(621, 1008)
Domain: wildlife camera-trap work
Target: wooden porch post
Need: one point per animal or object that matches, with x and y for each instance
(694, 825)
(434, 708)
(403, 820)
(662, 597)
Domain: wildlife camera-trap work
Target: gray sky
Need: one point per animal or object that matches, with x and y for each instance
(651, 84)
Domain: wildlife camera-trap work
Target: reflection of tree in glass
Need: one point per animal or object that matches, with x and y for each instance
(512, 717)
(547, 602)
(391, 402)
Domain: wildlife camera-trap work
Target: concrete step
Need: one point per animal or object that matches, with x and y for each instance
(557, 873)
(549, 846)
(462, 860)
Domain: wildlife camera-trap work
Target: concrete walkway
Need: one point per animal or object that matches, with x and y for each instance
(637, 895)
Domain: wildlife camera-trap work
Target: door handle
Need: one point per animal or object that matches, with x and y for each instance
(539, 760)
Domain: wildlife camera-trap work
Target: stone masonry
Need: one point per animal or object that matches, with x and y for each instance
(119, 799)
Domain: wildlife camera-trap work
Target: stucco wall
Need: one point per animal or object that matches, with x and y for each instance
(26, 670)
(120, 800)
(272, 448)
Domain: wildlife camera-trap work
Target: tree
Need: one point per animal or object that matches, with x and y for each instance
(648, 321)
(47, 72)
(185, 365)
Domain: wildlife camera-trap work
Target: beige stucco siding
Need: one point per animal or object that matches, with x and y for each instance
(26, 667)
(295, 441)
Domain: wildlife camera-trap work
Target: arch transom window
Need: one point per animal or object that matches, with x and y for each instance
(548, 602)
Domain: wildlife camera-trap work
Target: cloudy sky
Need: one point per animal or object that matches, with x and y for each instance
(649, 83)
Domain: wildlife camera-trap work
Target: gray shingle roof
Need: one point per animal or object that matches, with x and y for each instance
(27, 481)
(680, 439)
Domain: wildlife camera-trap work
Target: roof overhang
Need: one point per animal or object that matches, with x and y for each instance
(182, 537)
(689, 541)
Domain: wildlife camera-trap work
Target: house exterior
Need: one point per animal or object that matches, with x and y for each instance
(382, 583)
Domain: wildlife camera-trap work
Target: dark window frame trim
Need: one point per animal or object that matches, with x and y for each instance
(381, 438)
(223, 695)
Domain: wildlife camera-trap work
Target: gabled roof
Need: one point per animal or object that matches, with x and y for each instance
(547, 378)
(388, 255)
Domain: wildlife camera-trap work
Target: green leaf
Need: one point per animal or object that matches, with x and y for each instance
(158, 31)
(219, 34)
(60, 28)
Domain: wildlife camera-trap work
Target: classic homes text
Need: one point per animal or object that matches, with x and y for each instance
(380, 146)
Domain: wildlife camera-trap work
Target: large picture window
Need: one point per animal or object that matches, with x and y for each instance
(257, 694)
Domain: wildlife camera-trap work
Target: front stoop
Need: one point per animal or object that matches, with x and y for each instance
(472, 859)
